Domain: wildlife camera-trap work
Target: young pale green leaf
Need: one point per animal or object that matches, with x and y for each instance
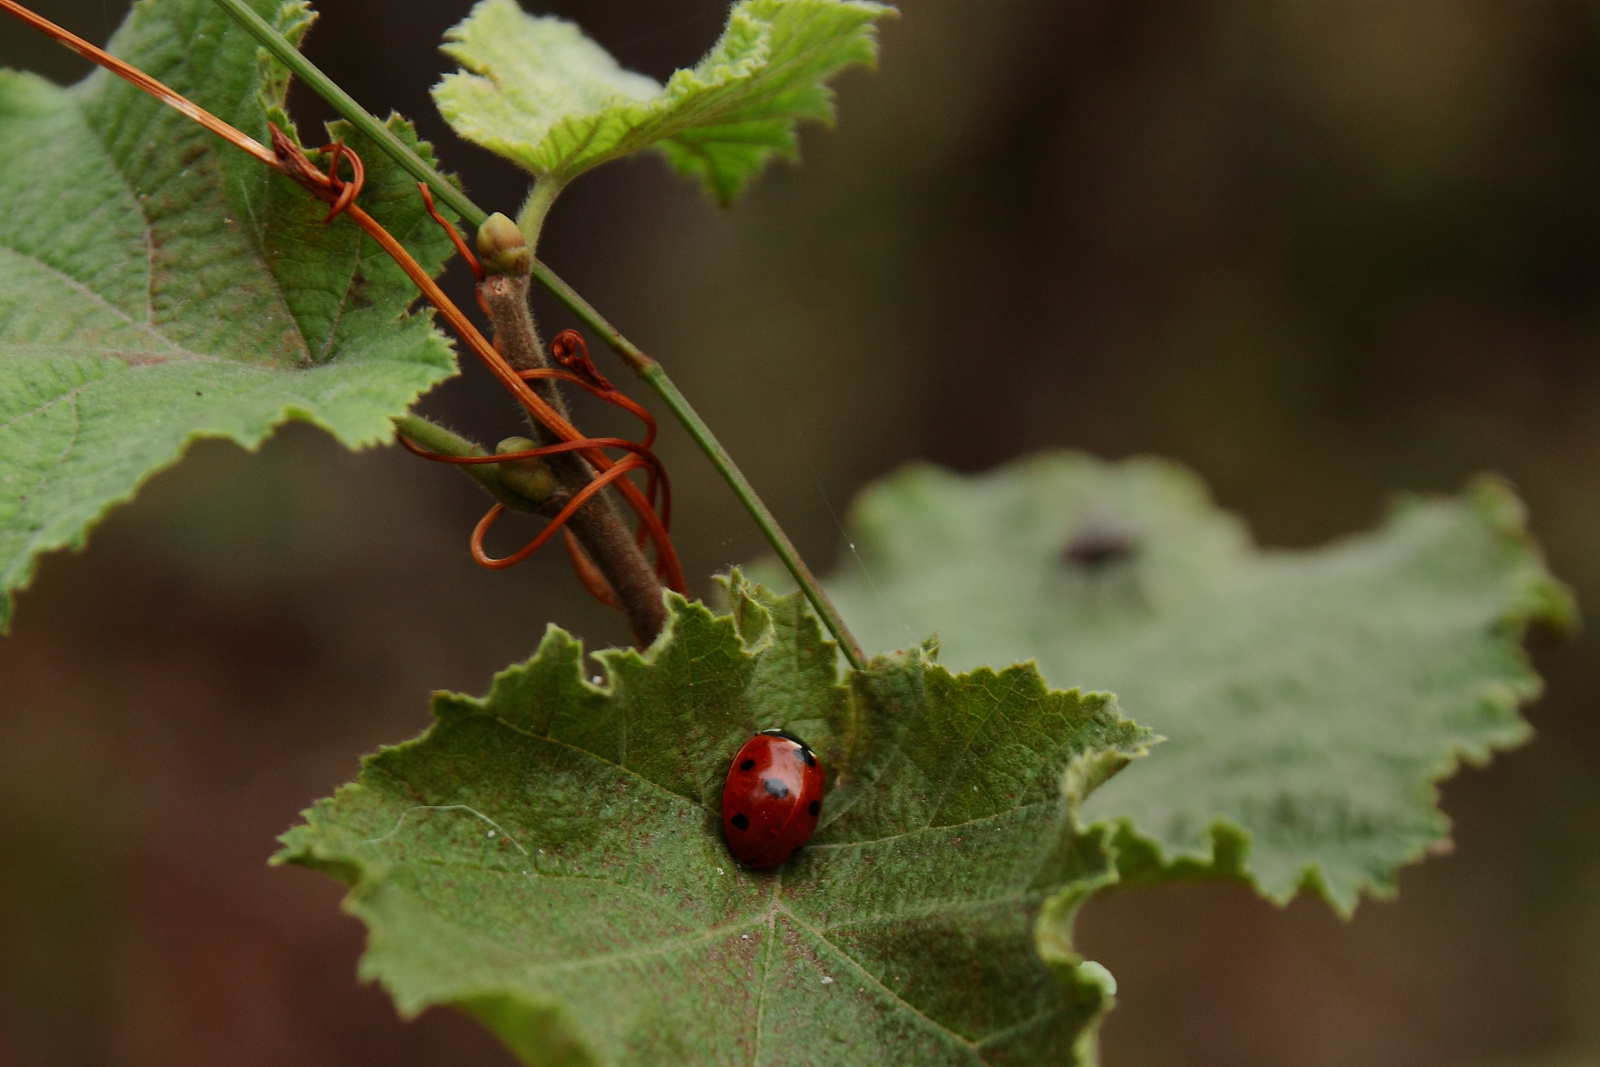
(158, 286)
(550, 858)
(538, 92)
(1310, 699)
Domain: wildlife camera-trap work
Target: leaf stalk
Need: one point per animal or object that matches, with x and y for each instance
(435, 438)
(530, 220)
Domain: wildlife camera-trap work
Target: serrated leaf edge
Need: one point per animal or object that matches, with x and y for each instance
(1535, 598)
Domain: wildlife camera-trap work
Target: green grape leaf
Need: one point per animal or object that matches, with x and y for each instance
(159, 286)
(1310, 699)
(550, 858)
(540, 93)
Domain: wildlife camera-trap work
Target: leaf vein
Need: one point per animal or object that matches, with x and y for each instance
(930, 828)
(1016, 1028)
(535, 873)
(145, 231)
(628, 955)
(933, 907)
(997, 701)
(514, 728)
(83, 290)
(868, 976)
(766, 972)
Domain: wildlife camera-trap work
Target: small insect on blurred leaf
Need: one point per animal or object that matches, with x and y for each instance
(1310, 699)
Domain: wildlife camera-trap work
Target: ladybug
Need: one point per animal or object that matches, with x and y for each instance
(772, 799)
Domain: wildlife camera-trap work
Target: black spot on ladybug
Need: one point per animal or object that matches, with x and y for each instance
(742, 821)
(748, 765)
(776, 788)
(811, 761)
(815, 808)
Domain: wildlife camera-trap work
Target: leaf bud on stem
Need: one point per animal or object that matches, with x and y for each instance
(529, 477)
(502, 248)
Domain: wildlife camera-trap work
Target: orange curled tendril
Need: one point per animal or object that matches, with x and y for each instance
(569, 350)
(454, 234)
(653, 526)
(639, 457)
(347, 191)
(580, 498)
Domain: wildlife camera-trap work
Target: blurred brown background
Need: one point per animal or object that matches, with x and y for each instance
(1319, 250)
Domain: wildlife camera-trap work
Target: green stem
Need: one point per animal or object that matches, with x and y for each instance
(530, 220)
(427, 434)
(436, 438)
(679, 405)
(655, 376)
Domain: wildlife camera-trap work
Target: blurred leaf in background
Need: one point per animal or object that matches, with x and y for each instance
(1310, 700)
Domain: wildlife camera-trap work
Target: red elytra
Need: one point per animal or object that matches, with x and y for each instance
(772, 799)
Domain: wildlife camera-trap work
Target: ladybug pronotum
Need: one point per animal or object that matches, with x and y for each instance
(772, 799)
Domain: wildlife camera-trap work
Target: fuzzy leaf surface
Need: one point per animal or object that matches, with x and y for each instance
(540, 93)
(550, 858)
(158, 286)
(1310, 699)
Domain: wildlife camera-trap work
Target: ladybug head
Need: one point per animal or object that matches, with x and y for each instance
(787, 736)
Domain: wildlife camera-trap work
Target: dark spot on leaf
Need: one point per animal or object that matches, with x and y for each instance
(1098, 544)
(748, 765)
(776, 788)
(815, 808)
(360, 296)
(742, 821)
